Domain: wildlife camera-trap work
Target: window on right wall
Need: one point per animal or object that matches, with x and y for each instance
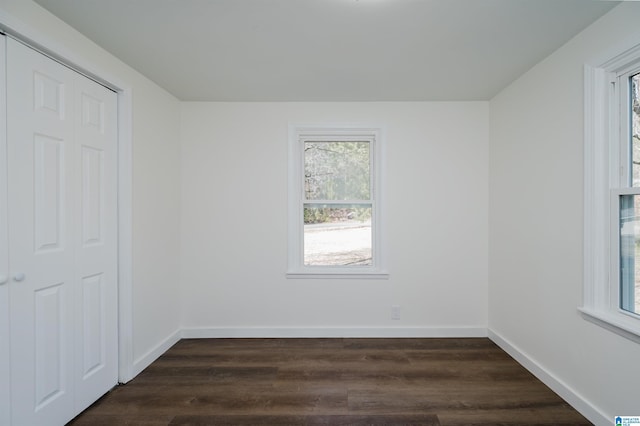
(612, 194)
(628, 217)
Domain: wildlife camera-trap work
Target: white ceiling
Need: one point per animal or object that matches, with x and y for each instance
(330, 50)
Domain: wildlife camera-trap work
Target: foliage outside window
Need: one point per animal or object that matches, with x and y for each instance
(334, 202)
(337, 208)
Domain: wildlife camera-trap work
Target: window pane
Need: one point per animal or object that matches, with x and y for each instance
(630, 253)
(337, 171)
(635, 130)
(337, 235)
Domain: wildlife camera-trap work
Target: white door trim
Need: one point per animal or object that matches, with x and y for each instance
(35, 38)
(5, 332)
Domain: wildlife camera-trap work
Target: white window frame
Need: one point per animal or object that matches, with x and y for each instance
(298, 134)
(606, 178)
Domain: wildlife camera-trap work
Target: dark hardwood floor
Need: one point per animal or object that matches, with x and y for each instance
(333, 382)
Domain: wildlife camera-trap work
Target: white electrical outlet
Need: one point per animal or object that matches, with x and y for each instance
(395, 312)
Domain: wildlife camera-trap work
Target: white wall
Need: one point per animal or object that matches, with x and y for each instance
(234, 223)
(536, 219)
(156, 173)
(156, 221)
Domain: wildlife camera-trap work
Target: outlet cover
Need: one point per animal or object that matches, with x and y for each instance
(395, 312)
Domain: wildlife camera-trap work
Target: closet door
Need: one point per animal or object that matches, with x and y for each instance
(95, 241)
(62, 238)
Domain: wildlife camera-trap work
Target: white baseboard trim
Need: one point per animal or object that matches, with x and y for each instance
(331, 332)
(569, 394)
(145, 360)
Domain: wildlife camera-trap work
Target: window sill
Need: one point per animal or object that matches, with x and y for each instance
(625, 325)
(373, 275)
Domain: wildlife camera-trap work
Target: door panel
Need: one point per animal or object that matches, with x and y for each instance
(49, 191)
(49, 352)
(49, 94)
(93, 321)
(92, 196)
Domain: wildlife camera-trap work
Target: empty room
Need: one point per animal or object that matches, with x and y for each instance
(313, 212)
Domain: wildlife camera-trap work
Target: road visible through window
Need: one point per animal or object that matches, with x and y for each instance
(345, 243)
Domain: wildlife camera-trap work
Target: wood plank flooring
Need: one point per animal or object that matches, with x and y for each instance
(333, 382)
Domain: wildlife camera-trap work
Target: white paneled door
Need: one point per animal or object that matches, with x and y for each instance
(62, 180)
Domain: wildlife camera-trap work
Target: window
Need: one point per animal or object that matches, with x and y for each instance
(335, 202)
(628, 214)
(612, 194)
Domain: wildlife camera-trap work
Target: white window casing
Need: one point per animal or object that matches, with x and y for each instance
(606, 178)
(298, 135)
